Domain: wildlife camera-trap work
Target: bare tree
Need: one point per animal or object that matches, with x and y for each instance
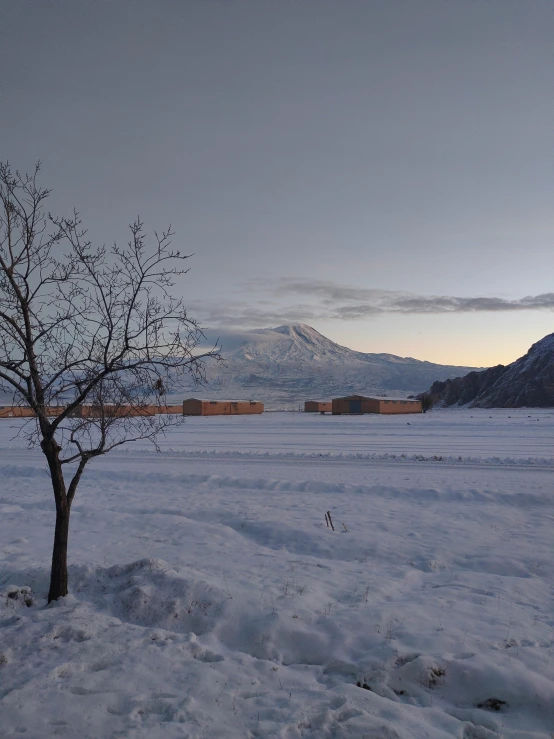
(90, 338)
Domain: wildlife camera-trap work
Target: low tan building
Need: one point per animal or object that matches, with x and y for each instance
(318, 406)
(113, 411)
(16, 411)
(194, 407)
(54, 410)
(170, 409)
(23, 411)
(357, 404)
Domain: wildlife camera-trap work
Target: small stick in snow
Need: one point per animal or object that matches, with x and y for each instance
(330, 520)
(344, 527)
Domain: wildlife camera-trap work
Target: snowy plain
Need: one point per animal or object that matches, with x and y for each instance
(209, 598)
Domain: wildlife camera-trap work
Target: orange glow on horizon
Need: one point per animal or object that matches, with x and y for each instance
(475, 340)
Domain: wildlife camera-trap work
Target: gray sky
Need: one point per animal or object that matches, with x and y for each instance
(380, 169)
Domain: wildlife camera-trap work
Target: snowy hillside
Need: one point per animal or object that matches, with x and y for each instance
(286, 365)
(529, 381)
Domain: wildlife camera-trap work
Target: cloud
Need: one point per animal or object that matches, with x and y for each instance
(328, 292)
(257, 314)
(353, 302)
(452, 304)
(355, 311)
(320, 300)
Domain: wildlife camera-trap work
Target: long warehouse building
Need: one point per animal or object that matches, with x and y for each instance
(194, 407)
(357, 404)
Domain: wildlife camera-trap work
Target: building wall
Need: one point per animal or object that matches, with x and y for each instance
(340, 405)
(55, 410)
(242, 407)
(193, 407)
(88, 411)
(216, 408)
(8, 411)
(170, 409)
(110, 411)
(355, 404)
(399, 406)
(316, 406)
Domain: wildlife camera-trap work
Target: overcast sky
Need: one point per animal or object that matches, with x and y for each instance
(379, 169)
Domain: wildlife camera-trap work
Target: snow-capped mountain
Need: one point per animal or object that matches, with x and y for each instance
(527, 382)
(286, 365)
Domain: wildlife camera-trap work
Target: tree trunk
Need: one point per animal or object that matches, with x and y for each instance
(58, 575)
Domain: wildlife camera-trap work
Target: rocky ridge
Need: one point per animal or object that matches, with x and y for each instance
(527, 382)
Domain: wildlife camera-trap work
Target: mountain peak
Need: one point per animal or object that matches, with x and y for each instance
(300, 331)
(291, 362)
(545, 344)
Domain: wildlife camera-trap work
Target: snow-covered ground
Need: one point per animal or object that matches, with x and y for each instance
(209, 598)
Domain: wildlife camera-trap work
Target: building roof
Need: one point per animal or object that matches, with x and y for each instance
(354, 397)
(402, 400)
(198, 400)
(377, 397)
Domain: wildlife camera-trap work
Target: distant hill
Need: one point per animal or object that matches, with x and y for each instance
(286, 365)
(527, 382)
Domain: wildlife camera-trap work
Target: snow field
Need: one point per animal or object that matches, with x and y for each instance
(209, 598)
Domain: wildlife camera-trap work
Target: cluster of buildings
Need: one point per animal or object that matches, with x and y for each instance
(351, 404)
(358, 404)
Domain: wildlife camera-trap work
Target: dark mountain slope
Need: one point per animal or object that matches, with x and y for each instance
(527, 382)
